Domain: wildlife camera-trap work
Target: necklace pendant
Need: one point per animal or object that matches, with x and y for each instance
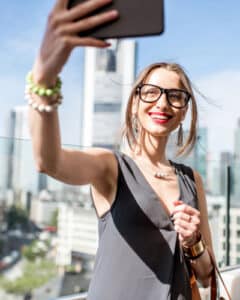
(159, 174)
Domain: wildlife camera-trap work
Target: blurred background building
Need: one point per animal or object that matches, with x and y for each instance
(108, 78)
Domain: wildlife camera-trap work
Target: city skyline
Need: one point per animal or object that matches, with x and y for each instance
(206, 49)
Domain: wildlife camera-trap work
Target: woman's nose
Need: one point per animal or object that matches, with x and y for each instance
(162, 101)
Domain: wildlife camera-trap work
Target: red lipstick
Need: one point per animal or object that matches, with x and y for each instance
(160, 117)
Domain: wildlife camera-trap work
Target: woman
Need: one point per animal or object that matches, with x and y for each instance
(152, 212)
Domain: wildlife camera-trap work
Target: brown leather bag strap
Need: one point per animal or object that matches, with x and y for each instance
(214, 280)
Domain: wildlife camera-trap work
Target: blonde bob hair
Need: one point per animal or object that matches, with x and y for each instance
(129, 131)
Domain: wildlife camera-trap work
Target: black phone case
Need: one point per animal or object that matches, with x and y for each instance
(136, 18)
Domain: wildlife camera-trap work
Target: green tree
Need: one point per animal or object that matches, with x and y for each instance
(16, 216)
(32, 251)
(34, 275)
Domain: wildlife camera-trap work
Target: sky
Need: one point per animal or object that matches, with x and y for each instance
(203, 36)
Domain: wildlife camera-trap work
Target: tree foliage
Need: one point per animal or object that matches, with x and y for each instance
(17, 217)
(34, 276)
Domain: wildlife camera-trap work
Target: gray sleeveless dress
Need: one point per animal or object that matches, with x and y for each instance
(139, 257)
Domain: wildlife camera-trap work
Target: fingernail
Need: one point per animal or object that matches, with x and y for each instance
(113, 13)
(177, 202)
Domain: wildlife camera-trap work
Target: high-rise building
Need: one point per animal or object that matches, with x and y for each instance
(226, 160)
(234, 234)
(108, 78)
(3, 163)
(20, 169)
(197, 158)
(236, 166)
(237, 141)
(42, 182)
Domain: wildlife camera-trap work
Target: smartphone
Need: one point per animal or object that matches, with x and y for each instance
(136, 18)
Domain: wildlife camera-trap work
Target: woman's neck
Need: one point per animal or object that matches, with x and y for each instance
(153, 149)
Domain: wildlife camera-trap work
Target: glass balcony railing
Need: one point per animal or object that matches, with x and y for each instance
(80, 296)
(50, 227)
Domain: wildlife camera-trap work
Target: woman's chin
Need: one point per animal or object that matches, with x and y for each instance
(158, 130)
(157, 133)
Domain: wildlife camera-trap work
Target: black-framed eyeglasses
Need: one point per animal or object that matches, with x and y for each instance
(151, 93)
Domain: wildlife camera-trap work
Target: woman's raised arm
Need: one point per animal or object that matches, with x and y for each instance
(60, 38)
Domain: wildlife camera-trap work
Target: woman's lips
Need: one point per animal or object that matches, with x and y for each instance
(160, 118)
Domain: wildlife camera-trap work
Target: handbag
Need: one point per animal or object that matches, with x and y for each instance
(214, 273)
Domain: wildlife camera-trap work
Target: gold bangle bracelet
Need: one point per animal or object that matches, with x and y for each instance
(196, 250)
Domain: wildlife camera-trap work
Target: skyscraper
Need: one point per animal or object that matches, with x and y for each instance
(17, 131)
(108, 77)
(236, 166)
(197, 158)
(226, 159)
(21, 173)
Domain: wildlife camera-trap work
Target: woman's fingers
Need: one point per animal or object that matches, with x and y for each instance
(187, 209)
(74, 41)
(186, 221)
(188, 218)
(88, 23)
(83, 9)
(61, 35)
(61, 4)
(187, 232)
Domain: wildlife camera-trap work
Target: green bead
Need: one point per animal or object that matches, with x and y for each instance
(41, 92)
(49, 92)
(35, 89)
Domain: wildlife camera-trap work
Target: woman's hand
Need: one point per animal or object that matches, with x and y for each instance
(62, 36)
(186, 221)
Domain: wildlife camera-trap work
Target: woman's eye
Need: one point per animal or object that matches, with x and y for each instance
(175, 96)
(152, 92)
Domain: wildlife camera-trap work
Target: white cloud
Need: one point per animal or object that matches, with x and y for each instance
(220, 116)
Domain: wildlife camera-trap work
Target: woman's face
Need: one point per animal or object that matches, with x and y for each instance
(159, 118)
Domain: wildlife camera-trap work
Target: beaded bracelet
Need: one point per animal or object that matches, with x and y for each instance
(52, 94)
(42, 107)
(40, 90)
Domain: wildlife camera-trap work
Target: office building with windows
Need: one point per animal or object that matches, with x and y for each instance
(234, 234)
(236, 165)
(108, 77)
(197, 158)
(20, 169)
